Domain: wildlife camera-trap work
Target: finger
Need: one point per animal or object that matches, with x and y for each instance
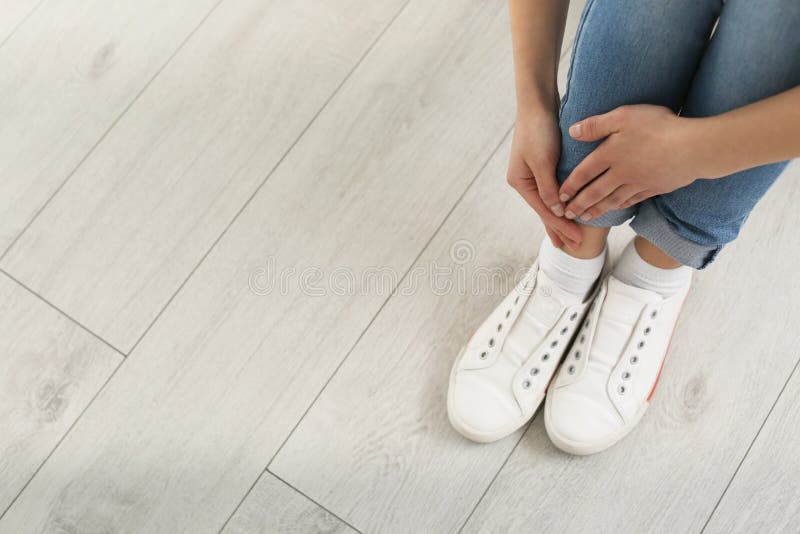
(587, 170)
(526, 187)
(545, 176)
(591, 195)
(638, 197)
(613, 201)
(559, 240)
(555, 239)
(597, 127)
(568, 243)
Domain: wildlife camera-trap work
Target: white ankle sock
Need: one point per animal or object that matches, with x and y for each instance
(633, 270)
(571, 274)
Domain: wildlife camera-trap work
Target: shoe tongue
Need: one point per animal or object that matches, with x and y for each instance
(630, 295)
(546, 288)
(539, 315)
(620, 310)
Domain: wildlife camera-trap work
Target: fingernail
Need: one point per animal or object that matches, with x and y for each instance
(564, 197)
(557, 209)
(569, 215)
(575, 130)
(586, 216)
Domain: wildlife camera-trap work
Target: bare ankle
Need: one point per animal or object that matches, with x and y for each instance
(594, 241)
(654, 255)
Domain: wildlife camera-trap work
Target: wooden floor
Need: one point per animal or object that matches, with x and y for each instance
(224, 224)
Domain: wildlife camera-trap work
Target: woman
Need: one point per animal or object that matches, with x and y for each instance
(678, 114)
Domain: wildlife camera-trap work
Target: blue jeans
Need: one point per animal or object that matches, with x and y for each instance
(662, 52)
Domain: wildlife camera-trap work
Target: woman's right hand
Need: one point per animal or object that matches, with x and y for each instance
(535, 150)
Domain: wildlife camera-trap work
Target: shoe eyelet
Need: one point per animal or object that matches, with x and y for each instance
(582, 339)
(491, 342)
(526, 384)
(499, 327)
(516, 300)
(641, 345)
(483, 355)
(653, 314)
(553, 344)
(647, 330)
(634, 359)
(508, 314)
(534, 371)
(564, 330)
(571, 369)
(621, 389)
(586, 325)
(626, 375)
(545, 357)
(577, 355)
(573, 316)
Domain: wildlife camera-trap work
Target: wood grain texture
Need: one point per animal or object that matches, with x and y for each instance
(278, 508)
(714, 393)
(127, 229)
(189, 422)
(12, 14)
(765, 493)
(49, 371)
(376, 447)
(65, 76)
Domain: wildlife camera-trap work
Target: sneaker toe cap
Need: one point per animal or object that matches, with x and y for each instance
(480, 410)
(579, 424)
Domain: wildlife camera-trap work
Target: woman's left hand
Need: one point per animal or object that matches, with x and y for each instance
(645, 153)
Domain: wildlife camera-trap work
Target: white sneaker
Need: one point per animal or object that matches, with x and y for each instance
(605, 384)
(501, 375)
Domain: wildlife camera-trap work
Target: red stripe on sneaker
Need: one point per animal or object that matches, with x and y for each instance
(669, 343)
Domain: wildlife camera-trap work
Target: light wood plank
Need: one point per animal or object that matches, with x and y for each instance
(50, 369)
(192, 418)
(127, 229)
(276, 507)
(424, 467)
(715, 391)
(765, 493)
(13, 13)
(65, 76)
(376, 448)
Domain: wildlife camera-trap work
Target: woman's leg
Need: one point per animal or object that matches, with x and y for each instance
(754, 53)
(642, 52)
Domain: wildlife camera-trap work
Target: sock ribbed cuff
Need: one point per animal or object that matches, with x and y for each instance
(574, 275)
(633, 270)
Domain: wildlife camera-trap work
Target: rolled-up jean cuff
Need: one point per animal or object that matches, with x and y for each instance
(653, 226)
(610, 218)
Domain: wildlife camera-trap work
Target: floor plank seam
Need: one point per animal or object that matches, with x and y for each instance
(64, 314)
(747, 452)
(107, 131)
(299, 492)
(61, 439)
(497, 474)
(21, 22)
(270, 173)
(377, 313)
(392, 294)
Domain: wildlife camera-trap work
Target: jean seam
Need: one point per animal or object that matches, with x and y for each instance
(578, 34)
